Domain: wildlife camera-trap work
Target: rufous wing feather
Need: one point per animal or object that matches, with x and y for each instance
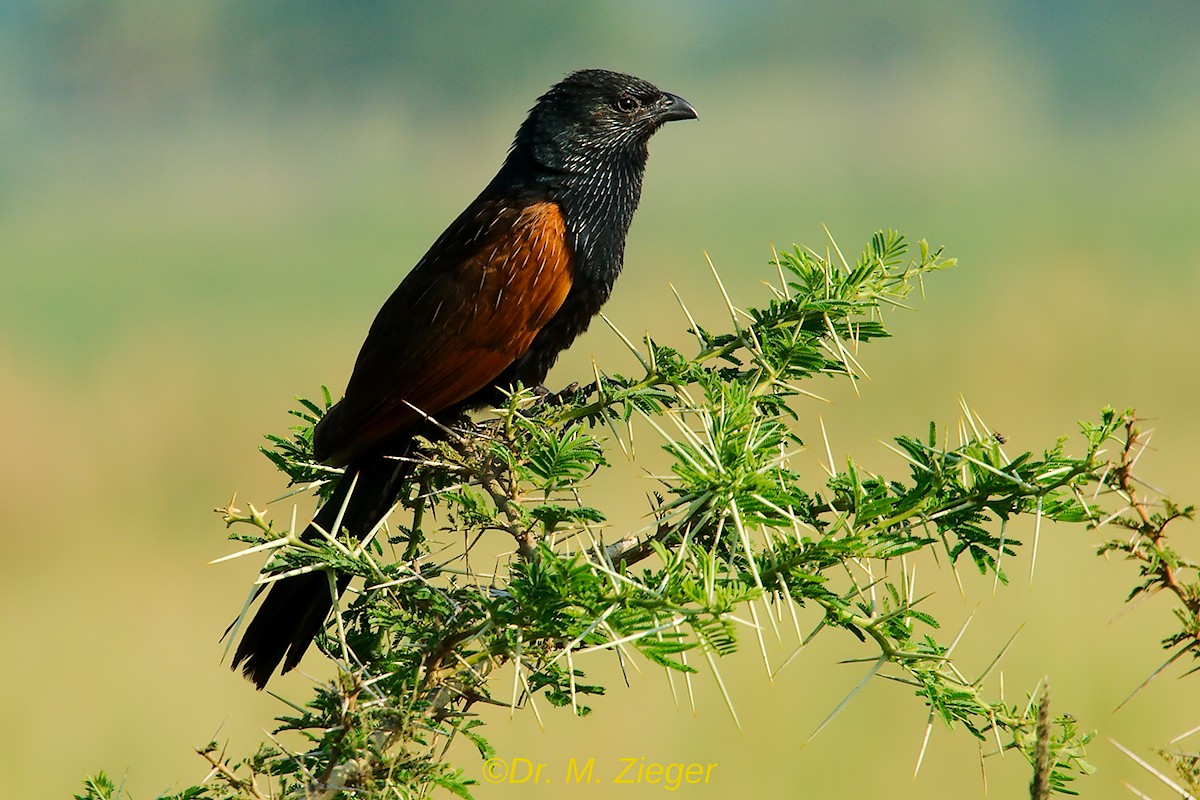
(453, 325)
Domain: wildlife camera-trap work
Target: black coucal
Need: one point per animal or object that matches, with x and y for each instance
(499, 295)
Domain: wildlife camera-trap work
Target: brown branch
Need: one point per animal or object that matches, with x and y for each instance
(242, 785)
(1043, 764)
(1149, 546)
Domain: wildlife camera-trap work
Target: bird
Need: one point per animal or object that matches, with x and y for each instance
(510, 284)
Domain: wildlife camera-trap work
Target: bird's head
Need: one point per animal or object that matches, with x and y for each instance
(594, 116)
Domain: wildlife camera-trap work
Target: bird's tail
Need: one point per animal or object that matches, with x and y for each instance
(295, 608)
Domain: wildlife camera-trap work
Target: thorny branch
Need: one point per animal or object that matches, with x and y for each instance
(735, 530)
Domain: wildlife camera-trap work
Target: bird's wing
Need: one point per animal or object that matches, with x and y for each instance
(471, 307)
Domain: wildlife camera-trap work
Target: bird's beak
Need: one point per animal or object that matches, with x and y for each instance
(675, 107)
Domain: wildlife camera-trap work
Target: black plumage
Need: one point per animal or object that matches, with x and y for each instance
(509, 285)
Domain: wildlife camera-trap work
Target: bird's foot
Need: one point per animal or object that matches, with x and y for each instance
(571, 393)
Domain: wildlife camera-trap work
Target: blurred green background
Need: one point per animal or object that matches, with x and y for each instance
(203, 205)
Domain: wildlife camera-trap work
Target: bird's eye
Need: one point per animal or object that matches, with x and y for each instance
(625, 104)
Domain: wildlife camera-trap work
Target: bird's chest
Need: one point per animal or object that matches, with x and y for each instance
(597, 214)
